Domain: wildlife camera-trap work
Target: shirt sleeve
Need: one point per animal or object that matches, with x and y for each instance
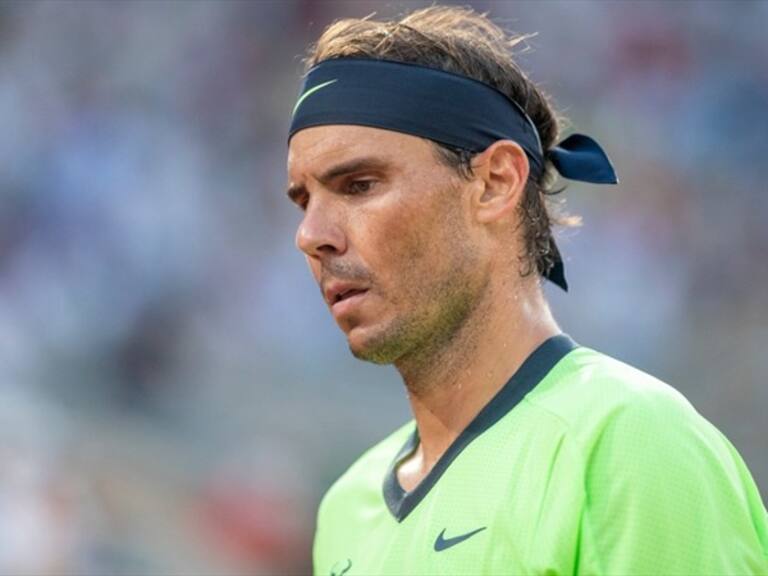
(666, 493)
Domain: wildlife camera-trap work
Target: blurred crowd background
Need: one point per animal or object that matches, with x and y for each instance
(175, 398)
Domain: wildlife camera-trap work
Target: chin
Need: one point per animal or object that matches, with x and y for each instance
(383, 346)
(368, 355)
(363, 348)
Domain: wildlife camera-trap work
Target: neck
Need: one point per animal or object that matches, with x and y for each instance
(447, 387)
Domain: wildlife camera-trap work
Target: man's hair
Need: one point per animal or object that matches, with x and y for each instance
(461, 41)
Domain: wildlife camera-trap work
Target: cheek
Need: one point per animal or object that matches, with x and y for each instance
(405, 243)
(397, 238)
(412, 245)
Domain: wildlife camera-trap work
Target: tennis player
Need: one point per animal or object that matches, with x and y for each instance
(420, 156)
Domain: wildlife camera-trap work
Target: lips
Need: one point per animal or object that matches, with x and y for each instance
(347, 294)
(342, 297)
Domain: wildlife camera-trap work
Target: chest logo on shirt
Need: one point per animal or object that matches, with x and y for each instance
(444, 543)
(341, 567)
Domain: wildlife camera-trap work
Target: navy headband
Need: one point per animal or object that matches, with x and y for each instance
(447, 108)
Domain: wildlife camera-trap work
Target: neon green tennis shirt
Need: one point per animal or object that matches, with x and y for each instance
(579, 465)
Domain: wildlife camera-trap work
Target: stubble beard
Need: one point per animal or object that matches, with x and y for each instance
(431, 321)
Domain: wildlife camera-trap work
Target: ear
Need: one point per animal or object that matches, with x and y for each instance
(502, 171)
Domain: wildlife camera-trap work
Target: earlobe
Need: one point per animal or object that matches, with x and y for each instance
(502, 170)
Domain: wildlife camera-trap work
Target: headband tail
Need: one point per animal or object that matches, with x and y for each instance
(579, 157)
(556, 274)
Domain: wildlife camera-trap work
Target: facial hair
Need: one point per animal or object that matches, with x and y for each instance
(432, 312)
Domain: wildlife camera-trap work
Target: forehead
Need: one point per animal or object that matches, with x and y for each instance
(313, 149)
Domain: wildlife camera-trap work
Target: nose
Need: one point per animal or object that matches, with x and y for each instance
(320, 233)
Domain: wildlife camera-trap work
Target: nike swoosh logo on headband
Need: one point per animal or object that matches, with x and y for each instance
(309, 93)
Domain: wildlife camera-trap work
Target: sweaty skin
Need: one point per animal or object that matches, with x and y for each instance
(432, 262)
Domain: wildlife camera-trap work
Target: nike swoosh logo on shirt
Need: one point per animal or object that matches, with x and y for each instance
(309, 93)
(445, 543)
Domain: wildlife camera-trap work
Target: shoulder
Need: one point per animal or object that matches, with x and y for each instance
(588, 390)
(628, 429)
(664, 490)
(617, 419)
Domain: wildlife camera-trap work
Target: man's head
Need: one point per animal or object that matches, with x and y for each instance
(409, 235)
(459, 40)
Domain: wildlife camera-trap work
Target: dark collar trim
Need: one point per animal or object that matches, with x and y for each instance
(530, 373)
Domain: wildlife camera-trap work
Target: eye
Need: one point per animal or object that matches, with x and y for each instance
(301, 201)
(360, 186)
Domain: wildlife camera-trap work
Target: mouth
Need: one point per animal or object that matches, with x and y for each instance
(346, 294)
(344, 299)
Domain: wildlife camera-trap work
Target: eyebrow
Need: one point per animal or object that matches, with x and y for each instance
(348, 167)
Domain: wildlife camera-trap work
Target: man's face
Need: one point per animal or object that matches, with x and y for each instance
(388, 237)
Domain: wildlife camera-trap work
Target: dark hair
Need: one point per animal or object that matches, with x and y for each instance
(461, 41)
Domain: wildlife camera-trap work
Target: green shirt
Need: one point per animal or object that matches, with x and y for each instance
(579, 465)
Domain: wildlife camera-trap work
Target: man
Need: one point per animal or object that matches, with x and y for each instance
(420, 155)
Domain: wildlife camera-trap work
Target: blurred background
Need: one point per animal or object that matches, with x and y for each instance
(176, 397)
